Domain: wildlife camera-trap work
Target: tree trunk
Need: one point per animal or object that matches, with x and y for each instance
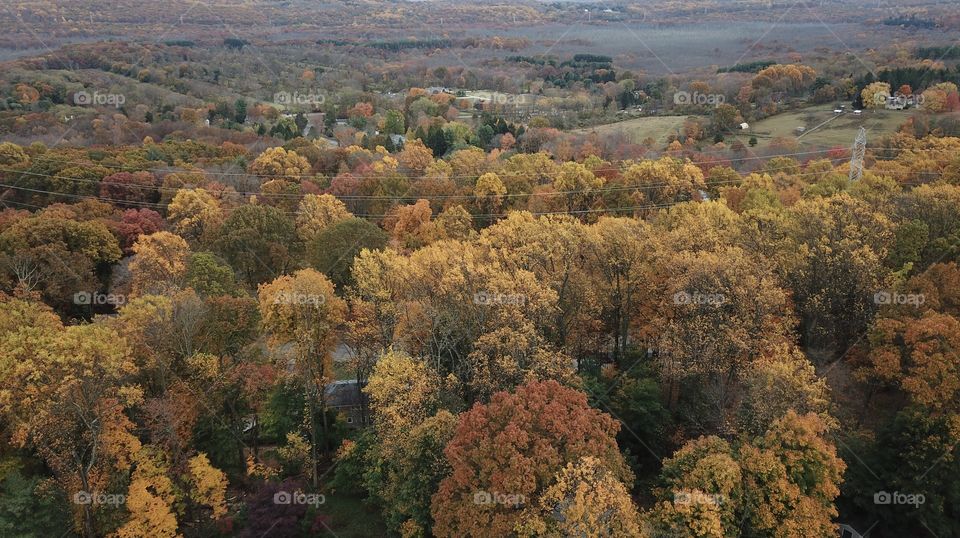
(88, 530)
(314, 476)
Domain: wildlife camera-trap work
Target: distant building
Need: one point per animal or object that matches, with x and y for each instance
(315, 122)
(744, 126)
(346, 398)
(898, 101)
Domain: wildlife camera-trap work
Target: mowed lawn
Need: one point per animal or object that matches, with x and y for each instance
(639, 129)
(837, 132)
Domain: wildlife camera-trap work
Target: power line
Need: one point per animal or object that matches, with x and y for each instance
(357, 197)
(362, 177)
(150, 205)
(461, 176)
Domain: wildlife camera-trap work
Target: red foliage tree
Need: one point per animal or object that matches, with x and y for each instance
(506, 453)
(134, 223)
(127, 189)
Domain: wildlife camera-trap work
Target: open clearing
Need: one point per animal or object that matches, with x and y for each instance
(638, 129)
(839, 132)
(833, 131)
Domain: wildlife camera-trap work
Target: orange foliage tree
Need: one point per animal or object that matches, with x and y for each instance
(504, 456)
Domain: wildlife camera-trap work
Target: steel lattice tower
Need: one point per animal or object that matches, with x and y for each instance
(859, 151)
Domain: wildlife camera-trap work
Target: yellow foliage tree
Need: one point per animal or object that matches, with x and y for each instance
(65, 391)
(278, 163)
(209, 485)
(159, 263)
(489, 191)
(409, 225)
(415, 157)
(665, 181)
(403, 393)
(150, 499)
(194, 213)
(875, 95)
(316, 212)
(586, 500)
(575, 183)
(302, 309)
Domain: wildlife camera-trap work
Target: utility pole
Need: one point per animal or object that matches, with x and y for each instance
(858, 153)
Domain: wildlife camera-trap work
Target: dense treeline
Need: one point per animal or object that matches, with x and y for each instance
(912, 21)
(540, 328)
(938, 53)
(377, 284)
(915, 77)
(749, 67)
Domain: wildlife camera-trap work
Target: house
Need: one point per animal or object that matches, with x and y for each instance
(800, 130)
(347, 399)
(398, 140)
(898, 101)
(744, 126)
(315, 122)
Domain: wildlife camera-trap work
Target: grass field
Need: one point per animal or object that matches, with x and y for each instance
(824, 129)
(638, 129)
(351, 518)
(839, 131)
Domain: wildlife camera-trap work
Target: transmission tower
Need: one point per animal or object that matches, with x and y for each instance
(859, 151)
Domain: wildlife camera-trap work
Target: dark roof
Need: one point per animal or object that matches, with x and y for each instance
(343, 394)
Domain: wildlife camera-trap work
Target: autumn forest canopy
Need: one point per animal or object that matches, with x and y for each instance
(440, 269)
